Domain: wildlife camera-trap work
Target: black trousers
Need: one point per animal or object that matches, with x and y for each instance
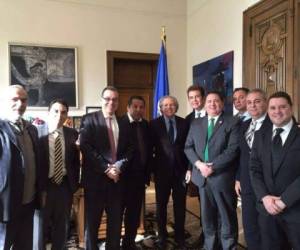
(56, 214)
(134, 194)
(219, 218)
(250, 222)
(17, 234)
(163, 190)
(95, 201)
(279, 234)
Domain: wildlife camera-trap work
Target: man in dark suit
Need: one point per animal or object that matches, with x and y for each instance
(168, 135)
(196, 99)
(19, 172)
(239, 103)
(136, 175)
(211, 146)
(61, 164)
(275, 176)
(257, 107)
(106, 149)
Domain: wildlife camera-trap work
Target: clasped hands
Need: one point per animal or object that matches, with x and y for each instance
(113, 172)
(273, 204)
(205, 168)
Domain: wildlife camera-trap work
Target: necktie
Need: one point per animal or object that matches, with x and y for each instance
(111, 141)
(141, 145)
(276, 148)
(19, 125)
(210, 130)
(58, 160)
(249, 136)
(242, 117)
(171, 131)
(197, 114)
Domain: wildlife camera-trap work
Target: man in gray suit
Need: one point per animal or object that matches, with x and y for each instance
(211, 147)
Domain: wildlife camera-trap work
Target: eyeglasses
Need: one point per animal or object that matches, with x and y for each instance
(107, 99)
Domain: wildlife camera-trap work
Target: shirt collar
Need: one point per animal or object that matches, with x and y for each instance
(260, 119)
(286, 128)
(214, 117)
(113, 117)
(131, 120)
(167, 119)
(58, 130)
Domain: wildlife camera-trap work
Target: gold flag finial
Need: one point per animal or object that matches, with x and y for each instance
(163, 34)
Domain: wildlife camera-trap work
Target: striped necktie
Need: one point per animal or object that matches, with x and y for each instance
(249, 136)
(58, 160)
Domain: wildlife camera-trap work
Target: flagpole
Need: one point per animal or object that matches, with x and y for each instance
(162, 81)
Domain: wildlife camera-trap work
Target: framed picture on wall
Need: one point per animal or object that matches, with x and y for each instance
(46, 72)
(90, 109)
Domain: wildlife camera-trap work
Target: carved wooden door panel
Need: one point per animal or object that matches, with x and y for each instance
(268, 47)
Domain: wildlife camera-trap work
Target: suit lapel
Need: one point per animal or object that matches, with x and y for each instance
(286, 147)
(11, 134)
(218, 124)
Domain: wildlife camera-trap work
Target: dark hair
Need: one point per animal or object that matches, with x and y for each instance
(281, 94)
(60, 101)
(246, 90)
(215, 92)
(196, 88)
(111, 88)
(136, 97)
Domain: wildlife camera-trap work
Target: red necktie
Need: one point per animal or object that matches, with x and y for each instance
(111, 141)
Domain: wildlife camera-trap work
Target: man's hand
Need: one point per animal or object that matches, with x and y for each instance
(280, 204)
(188, 176)
(205, 168)
(237, 188)
(270, 204)
(113, 173)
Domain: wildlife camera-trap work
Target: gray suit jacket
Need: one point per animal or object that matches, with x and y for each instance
(222, 147)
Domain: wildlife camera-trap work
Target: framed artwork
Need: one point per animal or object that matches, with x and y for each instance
(217, 74)
(45, 72)
(90, 109)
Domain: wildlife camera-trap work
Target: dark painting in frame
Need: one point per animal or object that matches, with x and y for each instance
(217, 74)
(46, 72)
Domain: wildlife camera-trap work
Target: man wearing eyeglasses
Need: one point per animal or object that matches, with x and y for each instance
(106, 150)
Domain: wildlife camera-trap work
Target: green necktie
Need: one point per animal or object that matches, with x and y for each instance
(210, 130)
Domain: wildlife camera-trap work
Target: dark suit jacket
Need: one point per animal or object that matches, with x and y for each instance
(12, 170)
(285, 181)
(72, 162)
(190, 118)
(137, 169)
(169, 159)
(222, 147)
(243, 172)
(95, 148)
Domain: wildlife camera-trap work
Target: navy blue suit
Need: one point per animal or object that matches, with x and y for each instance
(249, 212)
(99, 190)
(282, 179)
(169, 167)
(16, 219)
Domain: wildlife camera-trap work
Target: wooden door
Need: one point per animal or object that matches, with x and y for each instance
(132, 74)
(269, 47)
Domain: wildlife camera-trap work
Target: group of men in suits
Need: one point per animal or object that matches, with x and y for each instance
(225, 156)
(256, 156)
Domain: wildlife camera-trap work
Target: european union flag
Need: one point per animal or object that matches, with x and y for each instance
(162, 82)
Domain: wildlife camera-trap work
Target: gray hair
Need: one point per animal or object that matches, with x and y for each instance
(161, 100)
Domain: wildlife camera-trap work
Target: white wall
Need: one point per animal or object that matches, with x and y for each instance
(95, 26)
(215, 27)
